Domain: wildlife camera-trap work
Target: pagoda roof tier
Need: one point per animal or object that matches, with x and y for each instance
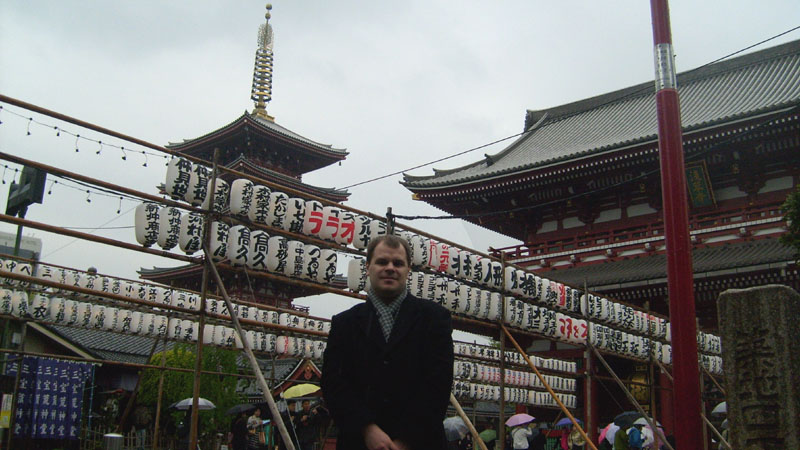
(645, 270)
(279, 145)
(715, 95)
(244, 164)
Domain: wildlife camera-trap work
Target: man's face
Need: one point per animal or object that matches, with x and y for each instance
(388, 271)
(306, 405)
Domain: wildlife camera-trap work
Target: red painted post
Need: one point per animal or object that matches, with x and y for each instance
(686, 385)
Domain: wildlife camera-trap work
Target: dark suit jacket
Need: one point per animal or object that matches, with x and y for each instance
(403, 386)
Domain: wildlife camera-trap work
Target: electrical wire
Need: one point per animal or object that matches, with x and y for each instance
(646, 88)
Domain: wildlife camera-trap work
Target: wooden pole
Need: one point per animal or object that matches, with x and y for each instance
(475, 436)
(160, 394)
(502, 414)
(21, 360)
(633, 401)
(262, 383)
(132, 399)
(550, 390)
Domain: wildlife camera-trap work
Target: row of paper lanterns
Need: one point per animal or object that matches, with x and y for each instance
(709, 343)
(626, 344)
(163, 296)
(260, 204)
(480, 351)
(60, 311)
(468, 370)
(485, 392)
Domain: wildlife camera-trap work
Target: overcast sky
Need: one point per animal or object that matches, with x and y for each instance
(395, 83)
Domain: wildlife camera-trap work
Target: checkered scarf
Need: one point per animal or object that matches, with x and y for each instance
(387, 313)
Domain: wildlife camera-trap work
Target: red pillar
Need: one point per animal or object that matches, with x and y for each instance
(666, 415)
(686, 370)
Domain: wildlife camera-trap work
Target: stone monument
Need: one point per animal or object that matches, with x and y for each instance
(761, 361)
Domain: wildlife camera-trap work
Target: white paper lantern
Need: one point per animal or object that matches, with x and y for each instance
(160, 325)
(219, 241)
(124, 321)
(414, 284)
(453, 294)
(259, 209)
(241, 197)
(190, 329)
(319, 349)
(347, 228)
(327, 269)
(483, 275)
(175, 328)
(311, 262)
(220, 335)
(313, 219)
(440, 291)
(377, 228)
(208, 334)
(190, 239)
(277, 209)
(277, 254)
(148, 325)
(295, 215)
(356, 274)
(146, 221)
(257, 252)
(419, 251)
(238, 245)
(98, 317)
(198, 185)
(176, 184)
(453, 262)
(467, 262)
(40, 308)
(330, 227)
(428, 286)
(294, 261)
(169, 227)
(495, 311)
(221, 193)
(361, 239)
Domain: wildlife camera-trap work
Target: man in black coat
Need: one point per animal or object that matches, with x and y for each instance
(388, 365)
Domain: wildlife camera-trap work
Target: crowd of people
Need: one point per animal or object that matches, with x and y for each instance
(305, 426)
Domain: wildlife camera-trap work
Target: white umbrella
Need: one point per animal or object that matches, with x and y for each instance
(720, 410)
(643, 421)
(202, 404)
(454, 428)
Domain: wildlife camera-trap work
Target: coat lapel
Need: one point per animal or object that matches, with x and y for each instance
(368, 321)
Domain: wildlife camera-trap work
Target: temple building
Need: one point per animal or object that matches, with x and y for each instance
(257, 145)
(581, 191)
(581, 187)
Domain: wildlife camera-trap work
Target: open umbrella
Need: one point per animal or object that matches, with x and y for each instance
(608, 433)
(720, 410)
(565, 421)
(626, 419)
(519, 419)
(240, 408)
(300, 390)
(454, 428)
(724, 425)
(202, 404)
(643, 421)
(488, 435)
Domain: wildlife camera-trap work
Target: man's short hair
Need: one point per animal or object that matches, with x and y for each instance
(390, 241)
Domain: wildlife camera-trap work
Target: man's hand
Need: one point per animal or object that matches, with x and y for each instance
(401, 446)
(376, 439)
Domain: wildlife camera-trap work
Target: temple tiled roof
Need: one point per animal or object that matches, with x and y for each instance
(110, 346)
(279, 178)
(268, 126)
(718, 94)
(740, 257)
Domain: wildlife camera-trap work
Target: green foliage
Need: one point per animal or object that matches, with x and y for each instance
(792, 209)
(220, 390)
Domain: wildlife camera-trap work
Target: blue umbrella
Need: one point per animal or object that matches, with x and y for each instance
(565, 421)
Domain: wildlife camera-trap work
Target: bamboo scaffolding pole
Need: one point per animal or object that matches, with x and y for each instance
(262, 383)
(475, 436)
(132, 399)
(549, 389)
(713, 380)
(160, 395)
(633, 401)
(705, 419)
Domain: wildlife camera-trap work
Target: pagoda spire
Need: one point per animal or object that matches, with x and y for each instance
(262, 71)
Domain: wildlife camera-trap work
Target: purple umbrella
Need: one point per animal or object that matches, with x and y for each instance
(519, 419)
(565, 421)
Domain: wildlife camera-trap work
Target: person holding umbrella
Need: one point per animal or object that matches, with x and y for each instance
(521, 430)
(239, 432)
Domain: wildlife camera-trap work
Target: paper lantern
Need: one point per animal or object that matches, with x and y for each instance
(311, 262)
(208, 334)
(57, 312)
(190, 329)
(419, 251)
(295, 258)
(40, 308)
(160, 325)
(241, 194)
(259, 209)
(221, 193)
(169, 227)
(362, 225)
(257, 252)
(190, 238)
(277, 254)
(98, 317)
(327, 270)
(313, 218)
(238, 245)
(377, 228)
(495, 307)
(175, 328)
(356, 274)
(484, 275)
(331, 216)
(193, 302)
(198, 185)
(284, 345)
(176, 184)
(347, 228)
(295, 215)
(219, 241)
(18, 268)
(467, 262)
(277, 209)
(220, 335)
(148, 326)
(510, 279)
(440, 290)
(453, 295)
(428, 286)
(135, 325)
(146, 220)
(319, 349)
(414, 284)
